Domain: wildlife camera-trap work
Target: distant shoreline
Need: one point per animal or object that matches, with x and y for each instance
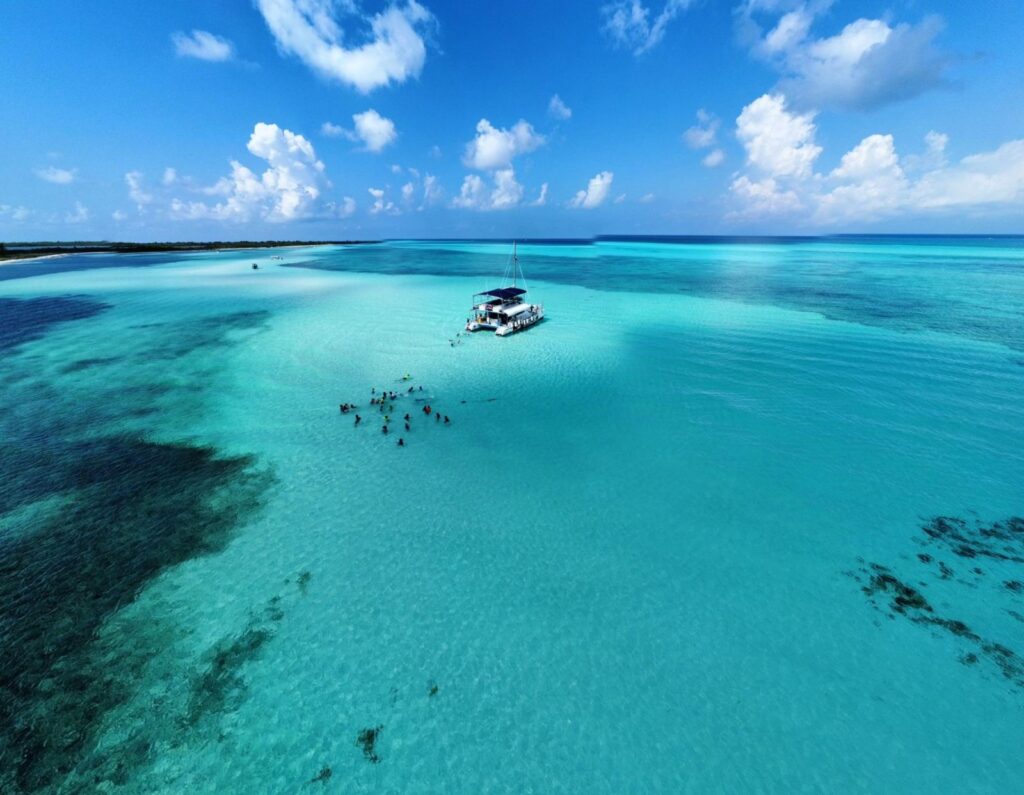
(44, 251)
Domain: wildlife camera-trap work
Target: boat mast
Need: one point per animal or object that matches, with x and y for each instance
(515, 263)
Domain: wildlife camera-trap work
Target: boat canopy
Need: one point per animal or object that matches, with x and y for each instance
(511, 311)
(504, 292)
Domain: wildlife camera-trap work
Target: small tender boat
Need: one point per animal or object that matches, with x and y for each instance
(505, 310)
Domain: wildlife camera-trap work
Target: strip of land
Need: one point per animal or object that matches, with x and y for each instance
(21, 251)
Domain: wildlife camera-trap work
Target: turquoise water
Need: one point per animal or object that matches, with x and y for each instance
(683, 536)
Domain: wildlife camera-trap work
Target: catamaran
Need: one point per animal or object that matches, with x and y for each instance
(505, 310)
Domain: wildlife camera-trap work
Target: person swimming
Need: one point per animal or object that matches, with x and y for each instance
(437, 417)
(427, 409)
(407, 417)
(358, 419)
(384, 430)
(407, 427)
(446, 420)
(401, 442)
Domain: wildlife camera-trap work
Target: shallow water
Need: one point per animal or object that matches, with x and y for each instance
(680, 537)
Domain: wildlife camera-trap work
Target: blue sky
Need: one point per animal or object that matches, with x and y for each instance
(337, 119)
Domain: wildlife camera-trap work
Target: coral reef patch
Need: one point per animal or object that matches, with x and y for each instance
(25, 319)
(949, 539)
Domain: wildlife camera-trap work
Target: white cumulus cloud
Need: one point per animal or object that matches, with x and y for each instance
(504, 193)
(311, 30)
(343, 209)
(14, 213)
(713, 158)
(628, 23)
(868, 63)
(372, 130)
(202, 45)
(79, 215)
(777, 141)
(58, 176)
(170, 176)
(494, 147)
(558, 109)
(136, 191)
(871, 181)
(287, 190)
(380, 203)
(703, 133)
(596, 192)
(432, 191)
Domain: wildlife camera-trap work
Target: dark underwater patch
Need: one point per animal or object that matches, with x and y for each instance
(1000, 542)
(86, 364)
(127, 509)
(139, 508)
(28, 268)
(202, 333)
(367, 740)
(25, 319)
(220, 687)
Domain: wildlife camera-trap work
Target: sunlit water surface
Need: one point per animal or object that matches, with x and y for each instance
(683, 536)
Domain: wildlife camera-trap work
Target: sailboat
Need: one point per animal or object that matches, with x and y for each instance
(505, 310)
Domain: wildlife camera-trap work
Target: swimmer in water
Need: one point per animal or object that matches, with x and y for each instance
(358, 419)
(446, 420)
(401, 442)
(407, 427)
(384, 430)
(437, 417)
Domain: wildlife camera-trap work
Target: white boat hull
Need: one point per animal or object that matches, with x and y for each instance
(519, 325)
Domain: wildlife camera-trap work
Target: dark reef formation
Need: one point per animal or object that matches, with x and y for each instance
(220, 687)
(138, 509)
(1000, 543)
(90, 514)
(26, 319)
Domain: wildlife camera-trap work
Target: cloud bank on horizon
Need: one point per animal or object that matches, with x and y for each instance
(822, 144)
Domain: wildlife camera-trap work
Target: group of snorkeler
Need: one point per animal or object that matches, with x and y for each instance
(385, 402)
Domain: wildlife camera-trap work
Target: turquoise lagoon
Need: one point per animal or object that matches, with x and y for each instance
(685, 536)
